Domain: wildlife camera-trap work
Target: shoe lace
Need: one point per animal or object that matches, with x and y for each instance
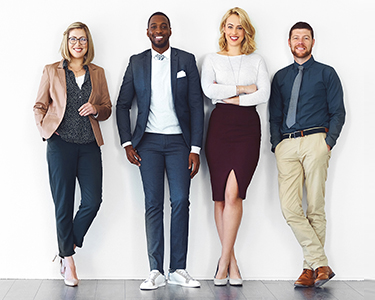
(152, 277)
(306, 273)
(184, 274)
(319, 270)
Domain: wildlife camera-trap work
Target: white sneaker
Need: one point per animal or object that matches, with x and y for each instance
(182, 277)
(154, 280)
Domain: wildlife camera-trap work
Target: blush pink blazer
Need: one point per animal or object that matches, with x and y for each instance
(50, 103)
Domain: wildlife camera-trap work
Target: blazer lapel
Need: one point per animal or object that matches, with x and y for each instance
(147, 75)
(174, 69)
(94, 80)
(62, 78)
(92, 72)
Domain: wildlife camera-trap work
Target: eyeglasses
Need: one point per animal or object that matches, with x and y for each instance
(73, 40)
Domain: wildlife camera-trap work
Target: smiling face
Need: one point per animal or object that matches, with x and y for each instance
(159, 32)
(77, 50)
(233, 31)
(301, 44)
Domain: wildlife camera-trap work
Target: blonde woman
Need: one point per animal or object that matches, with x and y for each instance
(236, 80)
(72, 98)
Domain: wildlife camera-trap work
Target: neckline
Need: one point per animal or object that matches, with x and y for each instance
(224, 55)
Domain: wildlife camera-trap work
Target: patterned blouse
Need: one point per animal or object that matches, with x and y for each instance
(75, 128)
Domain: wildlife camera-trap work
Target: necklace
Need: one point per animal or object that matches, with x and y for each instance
(238, 73)
(75, 71)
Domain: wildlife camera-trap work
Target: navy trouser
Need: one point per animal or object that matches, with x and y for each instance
(165, 153)
(66, 163)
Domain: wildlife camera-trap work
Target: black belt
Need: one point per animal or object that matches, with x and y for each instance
(296, 134)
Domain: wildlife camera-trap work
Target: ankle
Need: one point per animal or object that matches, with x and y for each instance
(234, 271)
(69, 261)
(233, 262)
(221, 274)
(222, 271)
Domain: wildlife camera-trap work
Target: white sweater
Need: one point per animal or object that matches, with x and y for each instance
(221, 73)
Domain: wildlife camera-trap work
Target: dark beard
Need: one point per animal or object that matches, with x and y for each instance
(302, 55)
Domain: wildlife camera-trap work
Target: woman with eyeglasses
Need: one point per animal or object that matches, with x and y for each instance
(72, 98)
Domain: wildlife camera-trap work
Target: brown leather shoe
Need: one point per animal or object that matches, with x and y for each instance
(322, 275)
(306, 279)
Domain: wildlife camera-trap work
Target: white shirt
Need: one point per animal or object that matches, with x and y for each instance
(80, 80)
(162, 117)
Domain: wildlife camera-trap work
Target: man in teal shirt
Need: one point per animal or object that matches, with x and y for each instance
(306, 117)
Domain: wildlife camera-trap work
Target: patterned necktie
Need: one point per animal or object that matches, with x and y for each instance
(159, 56)
(291, 117)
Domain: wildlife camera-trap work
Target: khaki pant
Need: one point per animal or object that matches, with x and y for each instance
(305, 160)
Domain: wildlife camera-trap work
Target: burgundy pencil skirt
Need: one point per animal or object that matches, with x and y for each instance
(233, 142)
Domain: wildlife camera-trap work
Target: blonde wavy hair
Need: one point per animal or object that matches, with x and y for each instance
(248, 44)
(64, 47)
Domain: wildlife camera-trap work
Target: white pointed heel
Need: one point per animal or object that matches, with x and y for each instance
(236, 281)
(220, 282)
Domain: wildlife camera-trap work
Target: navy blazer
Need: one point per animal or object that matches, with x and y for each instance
(187, 97)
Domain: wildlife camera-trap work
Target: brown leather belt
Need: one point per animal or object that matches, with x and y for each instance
(300, 133)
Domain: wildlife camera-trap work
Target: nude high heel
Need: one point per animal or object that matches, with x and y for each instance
(71, 281)
(62, 265)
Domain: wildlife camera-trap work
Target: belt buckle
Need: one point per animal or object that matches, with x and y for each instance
(292, 134)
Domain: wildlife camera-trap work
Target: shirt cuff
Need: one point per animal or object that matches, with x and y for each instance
(195, 149)
(126, 144)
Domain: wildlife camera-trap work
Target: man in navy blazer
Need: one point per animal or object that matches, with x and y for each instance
(167, 139)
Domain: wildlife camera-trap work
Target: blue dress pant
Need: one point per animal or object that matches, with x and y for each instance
(168, 154)
(66, 163)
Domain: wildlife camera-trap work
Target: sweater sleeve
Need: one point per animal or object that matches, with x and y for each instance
(211, 88)
(263, 87)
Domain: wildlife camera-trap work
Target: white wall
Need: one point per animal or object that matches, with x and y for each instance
(31, 33)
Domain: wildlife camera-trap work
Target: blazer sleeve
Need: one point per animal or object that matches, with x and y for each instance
(195, 104)
(104, 107)
(124, 103)
(43, 100)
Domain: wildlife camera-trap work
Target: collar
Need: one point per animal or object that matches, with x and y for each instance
(306, 64)
(65, 65)
(166, 53)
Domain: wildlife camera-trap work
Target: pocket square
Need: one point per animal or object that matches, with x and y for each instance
(181, 74)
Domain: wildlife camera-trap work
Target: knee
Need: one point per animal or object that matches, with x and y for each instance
(219, 205)
(94, 205)
(232, 199)
(317, 215)
(180, 203)
(153, 208)
(292, 215)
